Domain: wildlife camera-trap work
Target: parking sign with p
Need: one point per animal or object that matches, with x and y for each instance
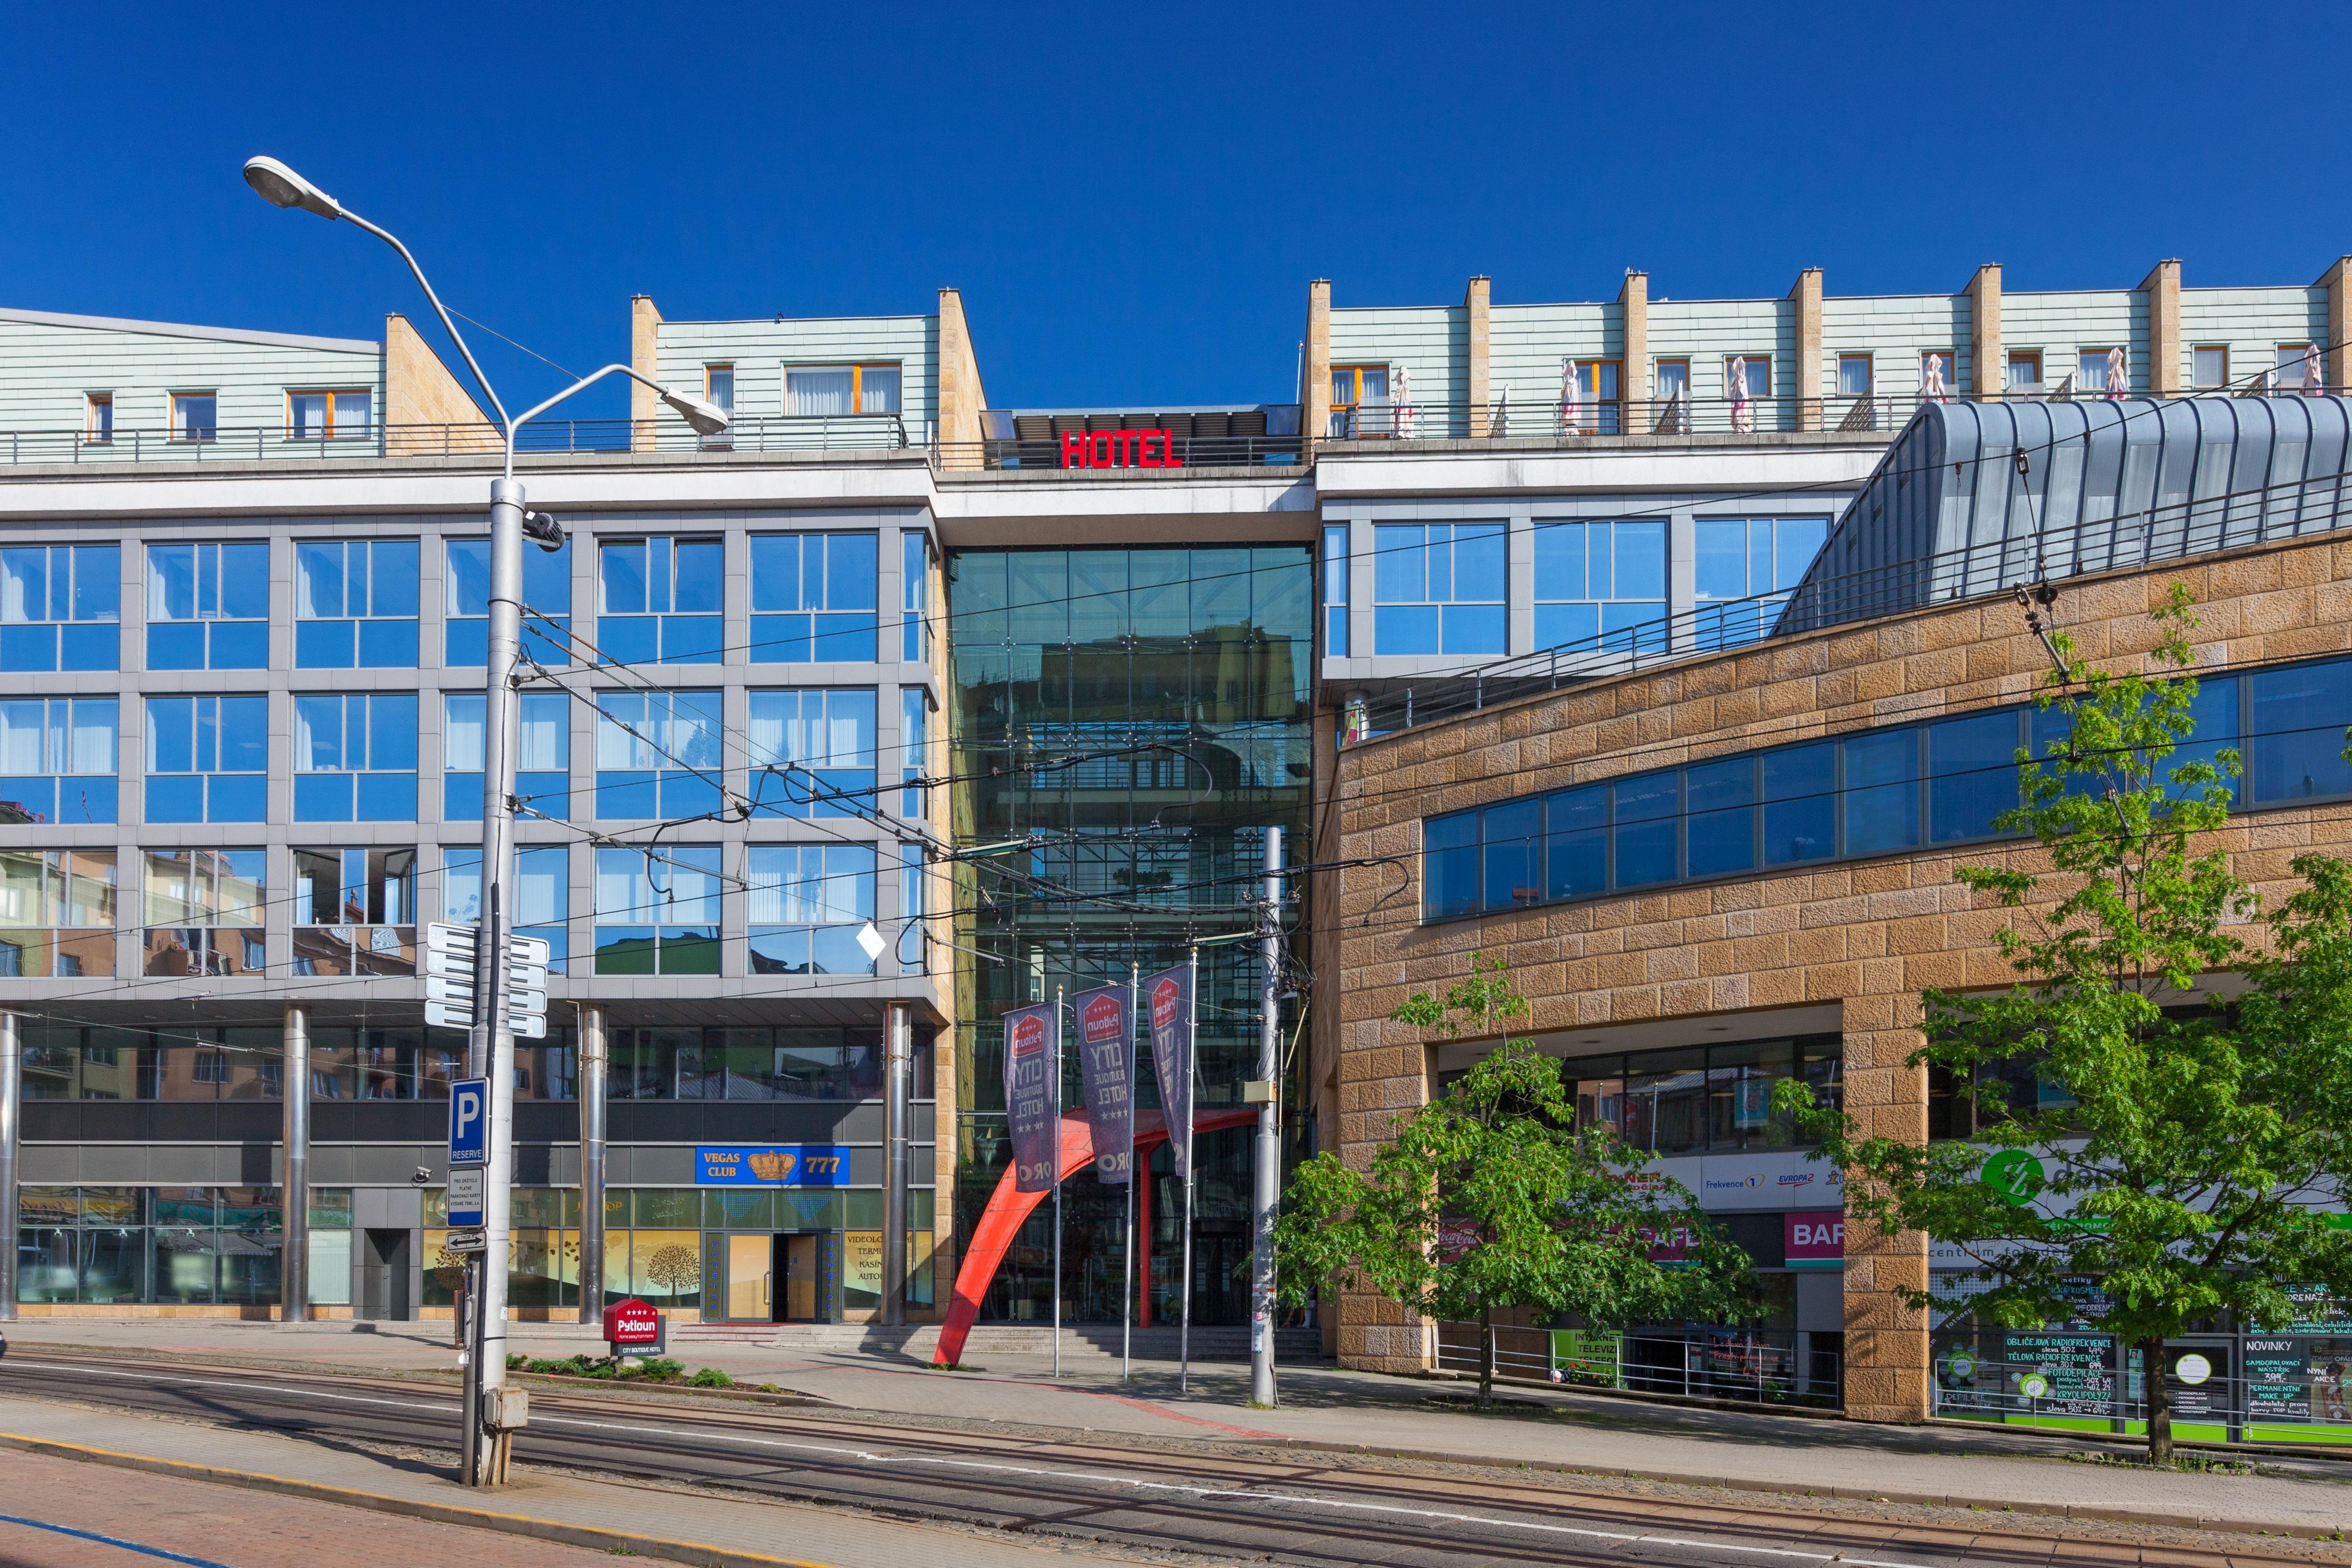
(469, 1121)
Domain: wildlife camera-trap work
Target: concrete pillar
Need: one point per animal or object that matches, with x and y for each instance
(898, 1042)
(12, 1134)
(2162, 288)
(1477, 310)
(594, 1057)
(1315, 365)
(1682, 580)
(1807, 296)
(2338, 282)
(1633, 313)
(960, 398)
(645, 356)
(294, 1189)
(1988, 374)
(1519, 584)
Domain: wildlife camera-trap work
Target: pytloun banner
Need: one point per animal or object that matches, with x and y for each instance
(1106, 1064)
(1033, 1092)
(1168, 996)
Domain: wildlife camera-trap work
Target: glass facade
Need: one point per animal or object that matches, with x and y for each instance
(1140, 716)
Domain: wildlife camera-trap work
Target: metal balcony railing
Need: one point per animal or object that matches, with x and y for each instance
(272, 443)
(1506, 418)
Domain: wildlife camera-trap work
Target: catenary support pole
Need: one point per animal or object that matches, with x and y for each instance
(294, 1190)
(1265, 1186)
(594, 1057)
(1058, 1022)
(897, 1040)
(12, 1128)
(489, 1046)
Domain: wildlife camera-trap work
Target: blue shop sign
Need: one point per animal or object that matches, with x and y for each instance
(771, 1165)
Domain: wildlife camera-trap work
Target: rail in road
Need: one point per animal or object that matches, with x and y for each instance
(1307, 1512)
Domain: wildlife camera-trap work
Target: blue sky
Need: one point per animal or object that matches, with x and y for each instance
(1133, 199)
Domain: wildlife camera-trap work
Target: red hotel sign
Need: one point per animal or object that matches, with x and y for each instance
(632, 1322)
(1120, 449)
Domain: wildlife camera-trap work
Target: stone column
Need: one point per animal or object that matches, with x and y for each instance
(961, 398)
(645, 356)
(1807, 296)
(294, 1188)
(11, 1133)
(1315, 365)
(2162, 290)
(1477, 310)
(1888, 1367)
(1987, 373)
(594, 1055)
(2338, 282)
(1633, 375)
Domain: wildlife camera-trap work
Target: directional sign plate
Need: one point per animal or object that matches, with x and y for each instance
(464, 1241)
(442, 937)
(450, 1015)
(530, 950)
(469, 1123)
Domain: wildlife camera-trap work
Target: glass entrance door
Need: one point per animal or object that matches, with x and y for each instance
(751, 1278)
(800, 1258)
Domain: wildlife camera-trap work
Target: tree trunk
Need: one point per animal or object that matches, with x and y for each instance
(1485, 1355)
(2159, 1402)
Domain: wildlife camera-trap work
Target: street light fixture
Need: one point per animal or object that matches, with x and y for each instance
(489, 1045)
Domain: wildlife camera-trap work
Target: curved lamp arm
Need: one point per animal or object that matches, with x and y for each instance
(707, 418)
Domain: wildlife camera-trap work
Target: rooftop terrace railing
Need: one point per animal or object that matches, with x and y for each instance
(1506, 418)
(273, 443)
(2169, 533)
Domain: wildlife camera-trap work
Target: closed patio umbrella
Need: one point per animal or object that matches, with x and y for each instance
(1402, 380)
(1933, 390)
(1743, 416)
(2116, 384)
(1571, 417)
(2312, 383)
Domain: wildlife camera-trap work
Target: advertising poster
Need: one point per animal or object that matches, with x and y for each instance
(2197, 1380)
(2064, 1375)
(1815, 1239)
(1168, 999)
(1032, 1093)
(1105, 1066)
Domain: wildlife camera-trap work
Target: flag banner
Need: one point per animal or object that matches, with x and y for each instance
(1106, 1065)
(1169, 996)
(1032, 1093)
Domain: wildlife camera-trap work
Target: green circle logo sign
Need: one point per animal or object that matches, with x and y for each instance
(1964, 1366)
(2016, 1174)
(2192, 1369)
(2035, 1385)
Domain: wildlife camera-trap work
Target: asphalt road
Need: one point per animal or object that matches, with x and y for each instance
(1298, 1510)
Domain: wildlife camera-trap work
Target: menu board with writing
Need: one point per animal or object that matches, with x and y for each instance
(2077, 1372)
(2278, 1379)
(2317, 1312)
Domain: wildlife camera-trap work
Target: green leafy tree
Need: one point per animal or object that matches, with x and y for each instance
(2138, 1157)
(1491, 1197)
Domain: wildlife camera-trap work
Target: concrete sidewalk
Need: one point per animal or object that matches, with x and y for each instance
(610, 1517)
(1329, 1409)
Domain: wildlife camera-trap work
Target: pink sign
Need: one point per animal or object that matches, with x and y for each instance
(1815, 1238)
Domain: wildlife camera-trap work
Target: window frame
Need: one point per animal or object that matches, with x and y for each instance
(856, 370)
(198, 435)
(2198, 384)
(2082, 354)
(333, 394)
(98, 418)
(2012, 359)
(1869, 363)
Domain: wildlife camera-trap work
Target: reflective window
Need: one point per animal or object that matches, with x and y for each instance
(657, 911)
(354, 912)
(208, 607)
(543, 894)
(355, 757)
(914, 596)
(1601, 585)
(806, 905)
(543, 777)
(60, 605)
(57, 913)
(58, 759)
(546, 603)
(207, 759)
(1744, 570)
(658, 753)
(1438, 588)
(1335, 590)
(355, 603)
(203, 911)
(660, 600)
(812, 753)
(814, 596)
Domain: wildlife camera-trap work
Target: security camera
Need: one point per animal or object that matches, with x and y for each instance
(422, 1177)
(543, 530)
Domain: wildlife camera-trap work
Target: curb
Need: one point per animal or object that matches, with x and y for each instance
(594, 1536)
(1843, 1494)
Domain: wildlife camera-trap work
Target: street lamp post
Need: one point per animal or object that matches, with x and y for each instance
(489, 1044)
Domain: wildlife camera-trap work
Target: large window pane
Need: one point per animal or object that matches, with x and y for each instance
(1646, 813)
(1514, 849)
(1972, 776)
(1576, 844)
(1450, 864)
(1881, 792)
(2297, 720)
(1722, 799)
(1799, 804)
